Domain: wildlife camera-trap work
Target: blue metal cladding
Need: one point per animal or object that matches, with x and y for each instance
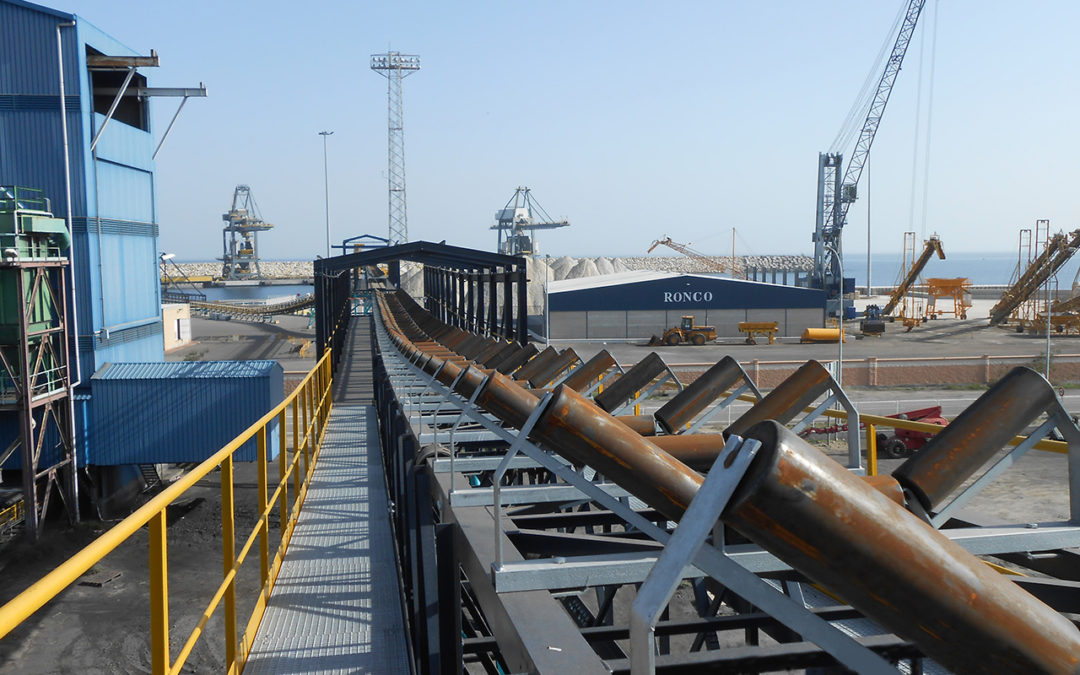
(112, 188)
(147, 413)
(687, 291)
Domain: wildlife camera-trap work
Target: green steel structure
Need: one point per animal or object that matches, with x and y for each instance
(35, 381)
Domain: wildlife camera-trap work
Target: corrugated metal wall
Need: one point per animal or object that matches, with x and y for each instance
(112, 189)
(145, 413)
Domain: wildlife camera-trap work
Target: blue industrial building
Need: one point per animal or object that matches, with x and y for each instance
(113, 215)
(636, 305)
(98, 107)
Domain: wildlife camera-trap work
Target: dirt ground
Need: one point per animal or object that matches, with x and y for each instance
(104, 629)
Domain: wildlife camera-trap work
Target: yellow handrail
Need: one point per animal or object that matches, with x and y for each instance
(311, 403)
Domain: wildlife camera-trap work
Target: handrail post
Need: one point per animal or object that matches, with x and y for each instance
(264, 524)
(228, 557)
(306, 420)
(159, 595)
(296, 442)
(283, 519)
(871, 450)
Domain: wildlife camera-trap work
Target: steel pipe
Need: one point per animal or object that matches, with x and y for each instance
(539, 361)
(506, 350)
(697, 396)
(975, 436)
(631, 382)
(787, 400)
(516, 360)
(583, 375)
(816, 516)
(552, 370)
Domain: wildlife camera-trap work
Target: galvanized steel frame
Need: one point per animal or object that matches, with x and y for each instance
(408, 378)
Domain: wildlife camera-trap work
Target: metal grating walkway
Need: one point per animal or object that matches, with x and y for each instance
(336, 606)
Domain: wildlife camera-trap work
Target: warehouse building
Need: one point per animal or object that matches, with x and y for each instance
(635, 305)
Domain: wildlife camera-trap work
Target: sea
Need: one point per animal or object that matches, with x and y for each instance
(980, 268)
(217, 293)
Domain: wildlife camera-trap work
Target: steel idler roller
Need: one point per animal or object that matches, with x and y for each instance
(975, 436)
(813, 514)
(787, 400)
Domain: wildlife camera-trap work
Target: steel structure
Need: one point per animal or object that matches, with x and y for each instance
(522, 514)
(910, 274)
(35, 377)
(395, 67)
(711, 263)
(518, 221)
(1059, 249)
(240, 237)
(837, 188)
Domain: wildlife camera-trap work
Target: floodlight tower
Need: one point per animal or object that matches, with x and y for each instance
(395, 67)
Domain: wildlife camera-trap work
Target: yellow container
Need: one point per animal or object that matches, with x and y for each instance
(822, 335)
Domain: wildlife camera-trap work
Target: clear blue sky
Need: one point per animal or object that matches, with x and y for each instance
(632, 119)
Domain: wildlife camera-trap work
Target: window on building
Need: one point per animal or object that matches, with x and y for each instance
(132, 110)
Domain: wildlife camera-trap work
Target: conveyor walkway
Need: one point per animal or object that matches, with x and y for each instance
(336, 606)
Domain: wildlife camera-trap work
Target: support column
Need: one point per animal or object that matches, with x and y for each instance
(523, 305)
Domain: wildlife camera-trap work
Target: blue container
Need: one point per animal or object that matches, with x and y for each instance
(148, 413)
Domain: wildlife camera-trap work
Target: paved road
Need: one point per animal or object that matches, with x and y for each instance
(945, 337)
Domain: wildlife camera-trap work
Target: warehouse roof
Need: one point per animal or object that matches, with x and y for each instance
(638, 276)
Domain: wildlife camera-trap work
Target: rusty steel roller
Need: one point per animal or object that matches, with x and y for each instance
(552, 370)
(631, 382)
(787, 400)
(582, 432)
(697, 395)
(813, 514)
(975, 436)
(539, 361)
(583, 375)
(493, 348)
(505, 350)
(641, 424)
(516, 360)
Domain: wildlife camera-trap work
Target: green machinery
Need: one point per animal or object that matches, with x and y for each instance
(35, 380)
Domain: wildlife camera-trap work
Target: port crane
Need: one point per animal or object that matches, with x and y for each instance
(239, 237)
(714, 264)
(837, 187)
(516, 222)
(930, 247)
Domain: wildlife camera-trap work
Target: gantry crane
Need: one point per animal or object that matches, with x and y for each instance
(930, 247)
(522, 216)
(240, 257)
(1059, 248)
(714, 264)
(836, 194)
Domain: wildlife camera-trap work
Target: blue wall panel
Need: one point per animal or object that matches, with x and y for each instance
(145, 413)
(124, 193)
(686, 291)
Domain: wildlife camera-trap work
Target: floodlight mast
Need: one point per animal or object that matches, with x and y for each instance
(395, 67)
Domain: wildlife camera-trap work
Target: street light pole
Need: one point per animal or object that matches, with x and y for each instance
(326, 184)
(547, 308)
(840, 317)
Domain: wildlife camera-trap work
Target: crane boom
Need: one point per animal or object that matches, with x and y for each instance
(877, 109)
(712, 263)
(836, 189)
(931, 246)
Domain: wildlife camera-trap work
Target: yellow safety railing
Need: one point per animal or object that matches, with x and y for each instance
(310, 405)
